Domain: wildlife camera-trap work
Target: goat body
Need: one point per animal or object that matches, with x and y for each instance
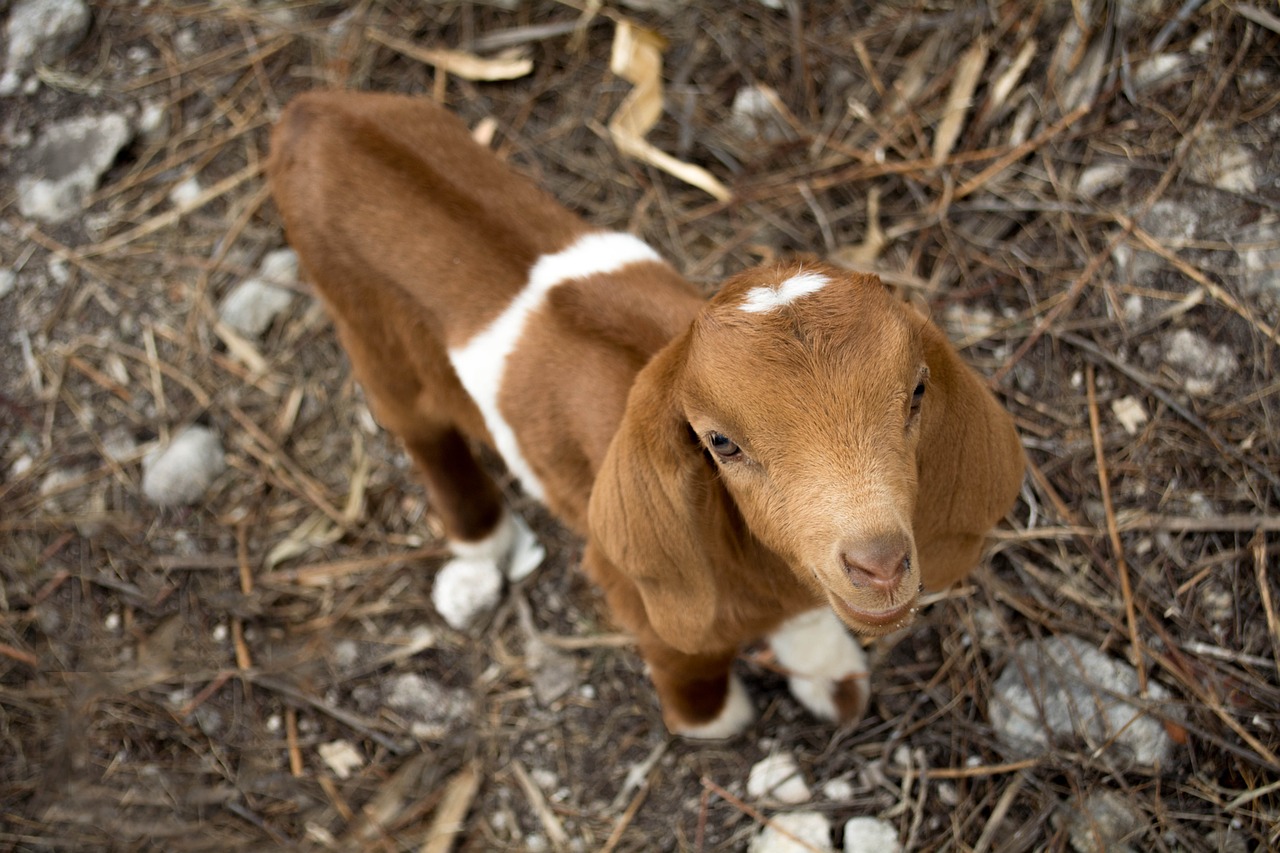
(801, 447)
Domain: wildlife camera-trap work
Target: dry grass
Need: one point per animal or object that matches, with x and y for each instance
(163, 687)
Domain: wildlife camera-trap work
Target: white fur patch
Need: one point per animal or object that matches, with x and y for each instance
(818, 651)
(734, 717)
(761, 299)
(481, 362)
(511, 543)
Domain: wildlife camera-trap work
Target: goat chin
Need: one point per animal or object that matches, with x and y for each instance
(689, 441)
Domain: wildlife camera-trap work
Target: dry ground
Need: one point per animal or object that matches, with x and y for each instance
(164, 686)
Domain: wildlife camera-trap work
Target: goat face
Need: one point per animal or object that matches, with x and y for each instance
(806, 389)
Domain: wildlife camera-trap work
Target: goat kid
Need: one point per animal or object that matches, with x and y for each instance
(801, 447)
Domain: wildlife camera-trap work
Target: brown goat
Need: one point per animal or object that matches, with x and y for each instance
(801, 445)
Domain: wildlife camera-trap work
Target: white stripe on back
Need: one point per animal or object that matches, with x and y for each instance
(481, 362)
(761, 299)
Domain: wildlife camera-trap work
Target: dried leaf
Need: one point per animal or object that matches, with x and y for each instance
(959, 99)
(508, 65)
(637, 58)
(316, 532)
(864, 255)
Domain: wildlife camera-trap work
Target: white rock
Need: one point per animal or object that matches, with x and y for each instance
(754, 116)
(778, 777)
(280, 266)
(812, 828)
(1204, 365)
(1099, 177)
(7, 279)
(1259, 249)
(341, 757)
(41, 31)
(430, 708)
(969, 321)
(1160, 68)
(870, 835)
(1174, 223)
(1102, 823)
(182, 472)
(1130, 412)
(1062, 690)
(254, 303)
(838, 790)
(185, 193)
(1221, 161)
(70, 158)
(465, 589)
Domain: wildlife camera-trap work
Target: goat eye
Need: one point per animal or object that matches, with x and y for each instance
(917, 396)
(722, 445)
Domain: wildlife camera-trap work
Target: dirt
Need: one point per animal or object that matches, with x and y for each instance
(167, 682)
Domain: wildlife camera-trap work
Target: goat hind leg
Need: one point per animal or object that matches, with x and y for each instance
(476, 523)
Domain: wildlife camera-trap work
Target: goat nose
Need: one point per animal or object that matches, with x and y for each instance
(879, 562)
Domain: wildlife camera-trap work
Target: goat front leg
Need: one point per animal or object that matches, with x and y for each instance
(826, 667)
(700, 695)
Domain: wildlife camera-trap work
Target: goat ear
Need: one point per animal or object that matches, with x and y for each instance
(970, 463)
(649, 505)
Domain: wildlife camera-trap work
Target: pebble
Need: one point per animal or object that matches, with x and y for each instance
(753, 116)
(252, 306)
(1205, 365)
(466, 589)
(1099, 177)
(69, 160)
(1061, 690)
(1130, 413)
(812, 828)
(341, 757)
(41, 31)
(1102, 823)
(870, 835)
(182, 472)
(430, 707)
(778, 777)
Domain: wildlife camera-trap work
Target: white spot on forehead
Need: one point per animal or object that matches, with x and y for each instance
(481, 362)
(761, 299)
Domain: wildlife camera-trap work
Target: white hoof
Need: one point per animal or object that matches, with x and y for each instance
(827, 667)
(511, 544)
(734, 717)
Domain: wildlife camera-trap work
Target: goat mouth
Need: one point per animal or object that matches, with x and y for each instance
(888, 618)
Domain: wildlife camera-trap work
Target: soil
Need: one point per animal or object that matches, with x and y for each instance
(175, 679)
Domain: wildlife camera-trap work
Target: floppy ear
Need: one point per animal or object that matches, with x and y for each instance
(650, 512)
(970, 463)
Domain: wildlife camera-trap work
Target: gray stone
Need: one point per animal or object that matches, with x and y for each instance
(870, 835)
(1203, 365)
(41, 31)
(430, 708)
(183, 471)
(1102, 824)
(70, 159)
(252, 306)
(812, 828)
(1259, 250)
(1064, 691)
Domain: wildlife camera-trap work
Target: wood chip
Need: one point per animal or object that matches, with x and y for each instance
(959, 99)
(509, 65)
(637, 58)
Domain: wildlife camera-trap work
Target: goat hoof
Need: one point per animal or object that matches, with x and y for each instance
(737, 714)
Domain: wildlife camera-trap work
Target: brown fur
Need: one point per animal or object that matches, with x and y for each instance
(416, 238)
